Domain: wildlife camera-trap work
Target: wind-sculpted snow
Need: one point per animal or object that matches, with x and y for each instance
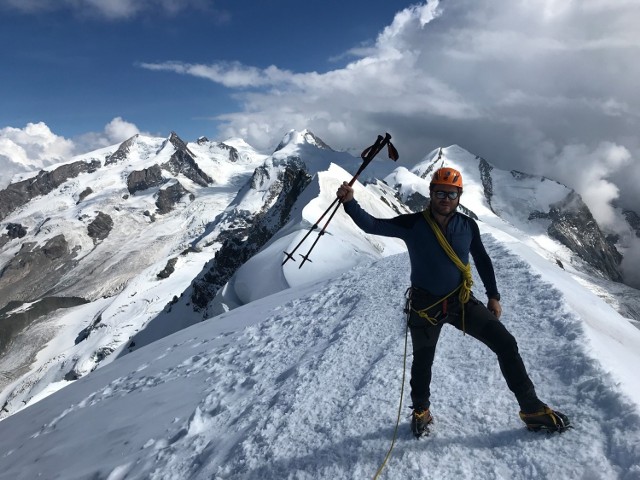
(305, 384)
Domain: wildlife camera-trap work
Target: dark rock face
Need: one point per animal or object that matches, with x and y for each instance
(15, 230)
(100, 227)
(633, 219)
(142, 179)
(86, 332)
(122, 152)
(487, 181)
(168, 197)
(18, 194)
(12, 323)
(84, 194)
(169, 268)
(251, 232)
(573, 225)
(35, 271)
(183, 161)
(417, 202)
(233, 152)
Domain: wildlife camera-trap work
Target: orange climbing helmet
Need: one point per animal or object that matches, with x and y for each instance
(447, 176)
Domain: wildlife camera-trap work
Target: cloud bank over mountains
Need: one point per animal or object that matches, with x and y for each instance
(530, 85)
(35, 146)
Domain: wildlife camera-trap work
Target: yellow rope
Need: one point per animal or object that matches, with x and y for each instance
(467, 281)
(464, 296)
(395, 431)
(424, 313)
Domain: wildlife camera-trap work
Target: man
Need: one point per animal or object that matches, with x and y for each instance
(439, 241)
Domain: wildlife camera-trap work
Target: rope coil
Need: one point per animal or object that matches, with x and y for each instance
(467, 280)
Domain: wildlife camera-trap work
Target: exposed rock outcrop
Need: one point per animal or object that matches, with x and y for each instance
(487, 182)
(250, 232)
(84, 194)
(139, 180)
(169, 268)
(573, 225)
(13, 322)
(35, 270)
(183, 162)
(15, 230)
(169, 196)
(233, 152)
(122, 152)
(19, 193)
(417, 202)
(100, 227)
(633, 219)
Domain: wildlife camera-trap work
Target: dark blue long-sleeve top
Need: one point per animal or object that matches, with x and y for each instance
(431, 269)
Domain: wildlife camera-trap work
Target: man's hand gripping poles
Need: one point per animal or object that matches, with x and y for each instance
(367, 155)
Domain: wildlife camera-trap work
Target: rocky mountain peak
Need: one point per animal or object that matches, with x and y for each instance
(180, 144)
(183, 161)
(122, 151)
(574, 226)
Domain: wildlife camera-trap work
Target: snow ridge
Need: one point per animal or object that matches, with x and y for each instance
(304, 384)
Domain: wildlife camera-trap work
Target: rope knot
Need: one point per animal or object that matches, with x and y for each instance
(467, 283)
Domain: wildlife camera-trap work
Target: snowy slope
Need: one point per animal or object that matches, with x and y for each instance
(118, 275)
(305, 384)
(340, 248)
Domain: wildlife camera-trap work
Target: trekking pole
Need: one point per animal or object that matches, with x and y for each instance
(367, 156)
(289, 256)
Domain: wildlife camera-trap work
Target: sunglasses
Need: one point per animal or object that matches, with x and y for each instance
(452, 195)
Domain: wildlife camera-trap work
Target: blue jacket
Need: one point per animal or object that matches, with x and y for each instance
(431, 269)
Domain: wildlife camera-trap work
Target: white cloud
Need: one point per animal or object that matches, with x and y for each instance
(520, 83)
(116, 131)
(233, 75)
(30, 148)
(34, 145)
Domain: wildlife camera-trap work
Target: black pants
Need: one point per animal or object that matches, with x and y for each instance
(479, 323)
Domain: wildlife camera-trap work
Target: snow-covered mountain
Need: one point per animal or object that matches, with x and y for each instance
(120, 247)
(101, 233)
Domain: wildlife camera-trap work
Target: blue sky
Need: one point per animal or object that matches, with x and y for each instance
(77, 68)
(547, 87)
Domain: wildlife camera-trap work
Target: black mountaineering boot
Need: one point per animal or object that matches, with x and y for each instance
(546, 419)
(420, 420)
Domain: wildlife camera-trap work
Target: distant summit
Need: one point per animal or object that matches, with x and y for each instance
(294, 137)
